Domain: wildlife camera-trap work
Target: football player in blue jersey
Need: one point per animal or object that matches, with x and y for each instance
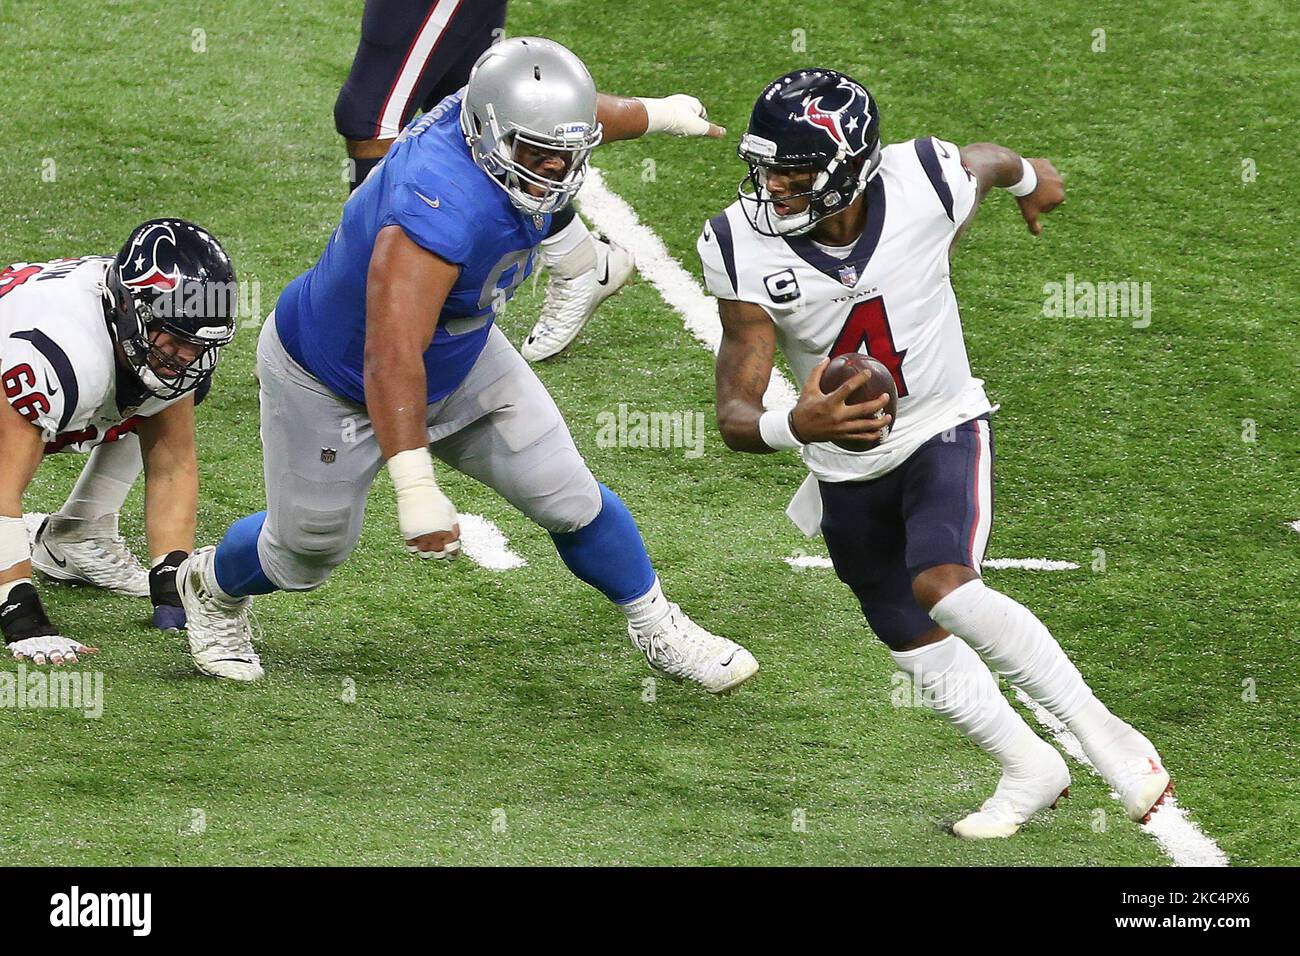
(386, 351)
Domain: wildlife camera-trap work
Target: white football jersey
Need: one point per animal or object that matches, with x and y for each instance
(890, 296)
(57, 361)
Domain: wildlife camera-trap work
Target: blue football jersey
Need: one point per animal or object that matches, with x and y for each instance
(430, 186)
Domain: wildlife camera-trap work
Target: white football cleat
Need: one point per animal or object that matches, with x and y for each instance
(680, 648)
(84, 551)
(576, 289)
(1018, 797)
(221, 639)
(1130, 764)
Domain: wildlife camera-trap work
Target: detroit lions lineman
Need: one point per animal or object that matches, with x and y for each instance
(106, 355)
(390, 340)
(836, 245)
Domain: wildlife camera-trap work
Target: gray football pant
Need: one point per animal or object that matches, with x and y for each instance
(320, 456)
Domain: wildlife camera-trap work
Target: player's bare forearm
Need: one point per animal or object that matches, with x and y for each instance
(171, 479)
(993, 165)
(24, 448)
(406, 289)
(742, 372)
(629, 117)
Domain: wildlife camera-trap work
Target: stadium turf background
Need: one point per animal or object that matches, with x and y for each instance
(515, 698)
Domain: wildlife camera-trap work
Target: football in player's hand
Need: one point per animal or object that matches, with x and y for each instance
(843, 368)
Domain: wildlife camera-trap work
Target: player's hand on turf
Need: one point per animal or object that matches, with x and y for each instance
(50, 650)
(443, 541)
(828, 417)
(1049, 194)
(441, 544)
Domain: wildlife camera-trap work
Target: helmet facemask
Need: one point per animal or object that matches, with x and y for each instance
(137, 323)
(497, 150)
(838, 182)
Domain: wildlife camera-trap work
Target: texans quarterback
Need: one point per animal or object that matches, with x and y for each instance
(106, 356)
(838, 245)
(386, 350)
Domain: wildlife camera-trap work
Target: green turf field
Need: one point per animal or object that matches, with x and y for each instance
(499, 716)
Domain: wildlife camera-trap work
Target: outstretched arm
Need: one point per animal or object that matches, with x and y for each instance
(994, 165)
(630, 117)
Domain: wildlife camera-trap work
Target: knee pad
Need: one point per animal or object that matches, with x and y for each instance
(575, 501)
(302, 556)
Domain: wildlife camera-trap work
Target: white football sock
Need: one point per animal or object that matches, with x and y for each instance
(1021, 648)
(649, 609)
(572, 236)
(105, 481)
(960, 687)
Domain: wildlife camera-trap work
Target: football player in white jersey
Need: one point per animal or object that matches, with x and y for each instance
(106, 355)
(838, 245)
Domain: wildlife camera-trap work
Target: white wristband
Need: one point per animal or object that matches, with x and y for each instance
(1028, 180)
(422, 508)
(774, 426)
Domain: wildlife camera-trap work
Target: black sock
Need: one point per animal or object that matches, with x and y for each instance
(360, 170)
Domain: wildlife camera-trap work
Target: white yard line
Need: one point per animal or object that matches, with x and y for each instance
(1028, 564)
(486, 545)
(609, 213)
(1178, 837)
(1016, 564)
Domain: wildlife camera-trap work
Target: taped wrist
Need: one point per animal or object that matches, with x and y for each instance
(422, 508)
(15, 548)
(22, 614)
(162, 580)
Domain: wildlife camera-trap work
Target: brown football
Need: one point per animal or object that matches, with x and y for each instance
(843, 368)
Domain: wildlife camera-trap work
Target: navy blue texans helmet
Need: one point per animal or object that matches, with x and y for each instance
(809, 119)
(171, 276)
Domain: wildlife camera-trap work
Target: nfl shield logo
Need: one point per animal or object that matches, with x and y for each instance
(329, 455)
(539, 220)
(849, 275)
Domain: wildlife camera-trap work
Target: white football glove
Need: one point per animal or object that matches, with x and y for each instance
(678, 115)
(50, 650)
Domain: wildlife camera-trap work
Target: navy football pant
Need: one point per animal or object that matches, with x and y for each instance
(412, 54)
(935, 508)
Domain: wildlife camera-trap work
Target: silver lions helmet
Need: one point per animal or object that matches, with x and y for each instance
(528, 93)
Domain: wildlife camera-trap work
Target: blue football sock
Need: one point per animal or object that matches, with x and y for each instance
(608, 554)
(238, 568)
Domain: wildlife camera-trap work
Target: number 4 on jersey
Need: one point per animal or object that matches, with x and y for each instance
(868, 323)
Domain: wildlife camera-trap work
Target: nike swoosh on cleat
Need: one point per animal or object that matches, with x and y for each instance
(605, 280)
(62, 564)
(11, 607)
(432, 203)
(730, 658)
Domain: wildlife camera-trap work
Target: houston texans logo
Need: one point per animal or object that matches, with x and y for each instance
(848, 134)
(152, 262)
